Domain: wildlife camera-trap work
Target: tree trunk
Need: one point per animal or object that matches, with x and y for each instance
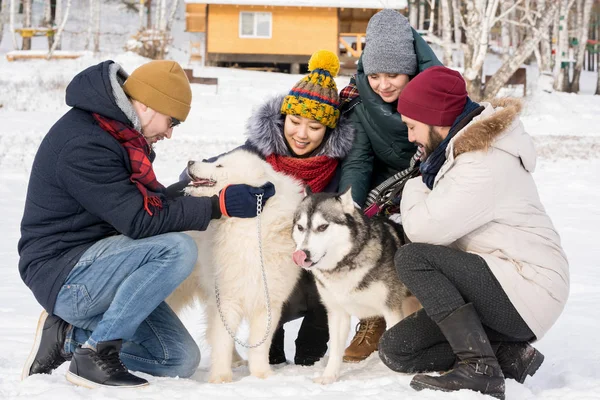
(421, 14)
(26, 44)
(480, 19)
(413, 13)
(61, 28)
(545, 45)
(514, 30)
(174, 6)
(97, 26)
(505, 31)
(3, 8)
(446, 32)
(141, 14)
(584, 24)
(12, 23)
(149, 14)
(90, 32)
(58, 17)
(561, 69)
(431, 16)
(457, 28)
(509, 67)
(598, 81)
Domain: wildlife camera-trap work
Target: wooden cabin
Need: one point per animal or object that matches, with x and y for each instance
(279, 32)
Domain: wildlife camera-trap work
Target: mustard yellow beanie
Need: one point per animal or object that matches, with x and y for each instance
(163, 86)
(315, 96)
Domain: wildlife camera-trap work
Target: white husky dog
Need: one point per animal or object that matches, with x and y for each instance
(228, 252)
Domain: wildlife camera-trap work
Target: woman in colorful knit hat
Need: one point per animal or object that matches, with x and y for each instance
(301, 134)
(393, 54)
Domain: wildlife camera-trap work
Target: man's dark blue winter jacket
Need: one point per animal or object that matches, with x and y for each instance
(80, 192)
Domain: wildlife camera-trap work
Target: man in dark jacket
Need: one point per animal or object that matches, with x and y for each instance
(100, 246)
(394, 53)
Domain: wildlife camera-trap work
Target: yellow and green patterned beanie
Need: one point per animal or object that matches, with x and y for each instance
(316, 96)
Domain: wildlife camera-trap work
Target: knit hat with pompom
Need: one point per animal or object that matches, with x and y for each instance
(316, 96)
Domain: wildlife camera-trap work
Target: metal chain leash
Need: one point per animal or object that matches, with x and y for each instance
(264, 277)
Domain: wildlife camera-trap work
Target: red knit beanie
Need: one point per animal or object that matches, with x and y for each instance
(436, 96)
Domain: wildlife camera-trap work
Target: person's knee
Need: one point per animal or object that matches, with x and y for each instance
(184, 253)
(186, 361)
(409, 258)
(393, 355)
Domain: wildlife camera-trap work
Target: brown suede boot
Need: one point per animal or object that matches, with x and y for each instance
(366, 339)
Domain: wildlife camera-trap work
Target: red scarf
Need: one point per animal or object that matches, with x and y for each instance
(138, 151)
(316, 172)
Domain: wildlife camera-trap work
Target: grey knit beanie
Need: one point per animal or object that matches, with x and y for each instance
(389, 45)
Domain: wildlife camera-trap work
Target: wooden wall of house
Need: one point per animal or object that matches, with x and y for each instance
(295, 30)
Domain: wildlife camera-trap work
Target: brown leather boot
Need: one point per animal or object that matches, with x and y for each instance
(366, 339)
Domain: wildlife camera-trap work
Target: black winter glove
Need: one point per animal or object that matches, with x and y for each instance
(240, 200)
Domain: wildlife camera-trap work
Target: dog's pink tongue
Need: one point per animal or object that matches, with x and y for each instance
(299, 258)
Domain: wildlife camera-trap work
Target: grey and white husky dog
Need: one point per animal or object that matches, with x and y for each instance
(352, 259)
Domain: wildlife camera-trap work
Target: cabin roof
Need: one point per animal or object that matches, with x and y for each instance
(373, 4)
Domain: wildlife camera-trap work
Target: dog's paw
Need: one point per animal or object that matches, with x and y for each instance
(325, 380)
(225, 377)
(262, 373)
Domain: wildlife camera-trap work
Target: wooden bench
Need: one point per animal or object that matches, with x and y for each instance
(518, 78)
(200, 80)
(42, 54)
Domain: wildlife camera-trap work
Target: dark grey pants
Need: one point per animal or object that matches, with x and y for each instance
(443, 279)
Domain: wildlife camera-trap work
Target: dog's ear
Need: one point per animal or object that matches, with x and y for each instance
(347, 201)
(307, 191)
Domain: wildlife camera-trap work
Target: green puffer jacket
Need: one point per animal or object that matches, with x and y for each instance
(381, 147)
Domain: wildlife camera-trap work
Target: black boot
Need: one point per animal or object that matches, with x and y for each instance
(313, 335)
(101, 368)
(477, 368)
(48, 352)
(277, 350)
(518, 360)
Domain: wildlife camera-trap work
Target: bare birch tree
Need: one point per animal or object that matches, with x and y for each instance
(421, 14)
(446, 32)
(540, 21)
(61, 28)
(431, 16)
(58, 17)
(561, 68)
(584, 14)
(505, 31)
(26, 43)
(458, 24)
(545, 45)
(3, 11)
(481, 16)
(12, 23)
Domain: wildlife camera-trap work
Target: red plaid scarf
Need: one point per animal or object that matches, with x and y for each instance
(138, 150)
(316, 172)
(350, 92)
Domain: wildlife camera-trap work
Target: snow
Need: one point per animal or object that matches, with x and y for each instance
(396, 4)
(567, 133)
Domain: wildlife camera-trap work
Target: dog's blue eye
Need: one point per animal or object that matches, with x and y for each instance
(322, 228)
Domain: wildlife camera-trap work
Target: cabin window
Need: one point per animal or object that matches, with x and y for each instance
(255, 25)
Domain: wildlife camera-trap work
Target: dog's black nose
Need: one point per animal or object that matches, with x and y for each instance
(191, 162)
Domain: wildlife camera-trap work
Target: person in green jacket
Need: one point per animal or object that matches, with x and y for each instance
(394, 53)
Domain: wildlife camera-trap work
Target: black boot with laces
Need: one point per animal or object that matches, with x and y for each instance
(101, 368)
(48, 351)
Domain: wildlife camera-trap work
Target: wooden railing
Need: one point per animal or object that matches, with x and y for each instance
(354, 49)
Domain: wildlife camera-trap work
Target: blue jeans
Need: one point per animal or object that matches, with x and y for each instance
(117, 291)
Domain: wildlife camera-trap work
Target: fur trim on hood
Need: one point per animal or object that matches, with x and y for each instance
(265, 132)
(481, 134)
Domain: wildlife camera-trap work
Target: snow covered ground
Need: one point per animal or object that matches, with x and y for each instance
(566, 129)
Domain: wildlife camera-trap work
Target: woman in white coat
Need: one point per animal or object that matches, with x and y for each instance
(485, 260)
